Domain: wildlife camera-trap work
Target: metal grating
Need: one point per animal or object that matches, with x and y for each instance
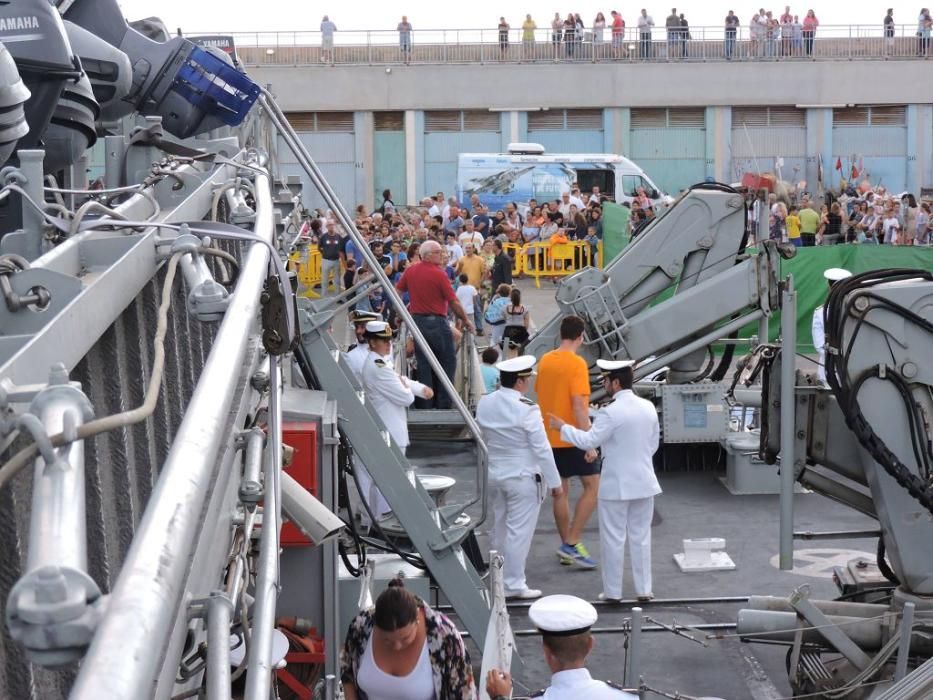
(321, 121)
(749, 116)
(895, 115)
(584, 118)
(389, 121)
(335, 121)
(851, 116)
(786, 116)
(481, 120)
(301, 121)
(548, 119)
(687, 118)
(649, 118)
(443, 120)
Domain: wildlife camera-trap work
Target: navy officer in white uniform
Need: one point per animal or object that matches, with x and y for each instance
(564, 622)
(521, 469)
(356, 354)
(390, 395)
(627, 430)
(832, 275)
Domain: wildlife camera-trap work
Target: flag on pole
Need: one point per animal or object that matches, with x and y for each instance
(838, 163)
(497, 652)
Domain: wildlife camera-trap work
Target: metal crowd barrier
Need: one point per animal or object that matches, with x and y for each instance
(537, 260)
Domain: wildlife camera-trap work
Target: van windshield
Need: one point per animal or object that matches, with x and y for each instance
(631, 183)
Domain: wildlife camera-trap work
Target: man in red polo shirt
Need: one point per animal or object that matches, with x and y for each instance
(430, 293)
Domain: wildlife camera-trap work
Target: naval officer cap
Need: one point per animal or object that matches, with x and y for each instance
(522, 366)
(614, 367)
(834, 274)
(378, 329)
(562, 615)
(360, 316)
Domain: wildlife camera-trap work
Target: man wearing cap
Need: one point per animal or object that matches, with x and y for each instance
(521, 468)
(832, 275)
(628, 431)
(564, 622)
(389, 394)
(356, 354)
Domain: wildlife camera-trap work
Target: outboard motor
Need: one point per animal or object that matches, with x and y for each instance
(13, 95)
(192, 89)
(33, 32)
(72, 129)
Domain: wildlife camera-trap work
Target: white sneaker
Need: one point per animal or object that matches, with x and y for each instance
(524, 594)
(606, 599)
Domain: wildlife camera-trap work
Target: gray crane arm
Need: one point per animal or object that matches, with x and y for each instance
(683, 283)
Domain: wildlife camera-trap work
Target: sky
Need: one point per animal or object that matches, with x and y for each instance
(203, 16)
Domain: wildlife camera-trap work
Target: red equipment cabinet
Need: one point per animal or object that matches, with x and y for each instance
(303, 437)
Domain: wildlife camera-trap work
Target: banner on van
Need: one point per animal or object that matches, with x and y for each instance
(497, 181)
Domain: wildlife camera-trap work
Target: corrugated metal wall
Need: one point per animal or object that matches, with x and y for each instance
(567, 130)
(389, 156)
(330, 140)
(762, 135)
(670, 145)
(449, 133)
(121, 467)
(874, 139)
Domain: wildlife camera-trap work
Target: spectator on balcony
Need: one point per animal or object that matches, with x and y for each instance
(732, 27)
(327, 40)
(787, 32)
(810, 23)
(570, 35)
(503, 38)
(599, 27)
(673, 33)
(618, 34)
(557, 33)
(796, 37)
(645, 23)
(684, 35)
(888, 24)
(404, 38)
(924, 27)
(528, 38)
(772, 35)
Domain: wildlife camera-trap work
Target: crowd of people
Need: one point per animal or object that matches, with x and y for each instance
(868, 215)
(769, 34)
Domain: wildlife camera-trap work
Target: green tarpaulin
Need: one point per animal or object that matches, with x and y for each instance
(615, 230)
(807, 268)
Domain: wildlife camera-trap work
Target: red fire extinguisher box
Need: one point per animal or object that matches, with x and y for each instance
(303, 438)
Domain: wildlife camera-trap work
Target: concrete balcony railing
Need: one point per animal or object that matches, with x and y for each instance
(459, 46)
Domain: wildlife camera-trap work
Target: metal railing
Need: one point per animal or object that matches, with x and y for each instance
(696, 44)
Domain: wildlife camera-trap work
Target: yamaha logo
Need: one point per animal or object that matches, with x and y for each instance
(8, 24)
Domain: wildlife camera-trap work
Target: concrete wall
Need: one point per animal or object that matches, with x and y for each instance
(352, 88)
(415, 162)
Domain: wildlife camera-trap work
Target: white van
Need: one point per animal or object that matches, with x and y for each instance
(527, 172)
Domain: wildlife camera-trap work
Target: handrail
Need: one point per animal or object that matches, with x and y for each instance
(141, 614)
(290, 137)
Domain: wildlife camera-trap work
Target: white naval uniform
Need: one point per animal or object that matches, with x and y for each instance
(577, 684)
(521, 471)
(819, 342)
(356, 356)
(390, 395)
(628, 431)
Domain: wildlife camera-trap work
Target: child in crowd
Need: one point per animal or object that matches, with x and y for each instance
(466, 294)
(793, 227)
(349, 274)
(517, 321)
(495, 313)
(490, 374)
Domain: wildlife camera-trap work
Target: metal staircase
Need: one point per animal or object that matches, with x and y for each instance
(433, 531)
